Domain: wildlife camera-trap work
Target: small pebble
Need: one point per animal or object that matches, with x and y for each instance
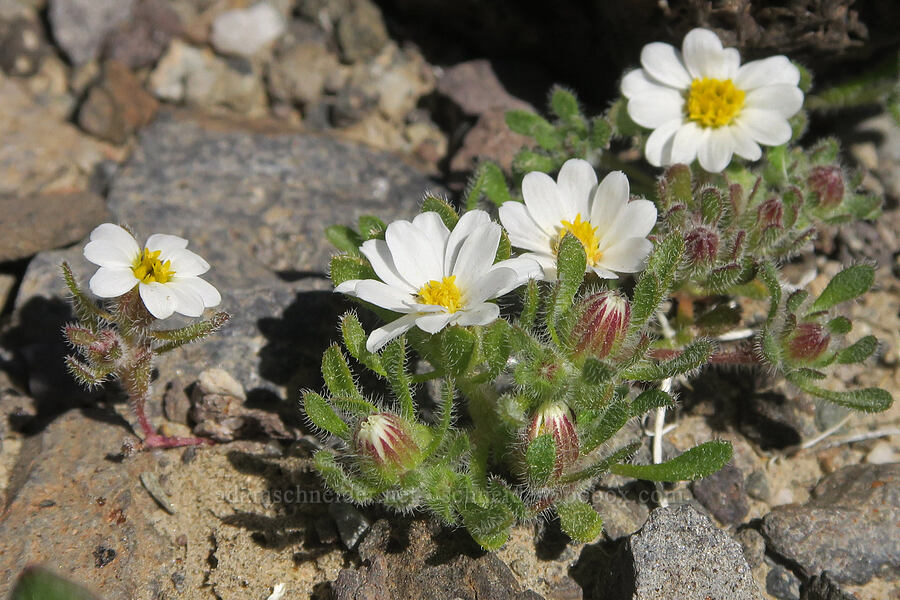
(757, 486)
(783, 496)
(783, 584)
(351, 523)
(882, 453)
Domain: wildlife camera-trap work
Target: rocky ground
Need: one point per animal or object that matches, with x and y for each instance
(247, 128)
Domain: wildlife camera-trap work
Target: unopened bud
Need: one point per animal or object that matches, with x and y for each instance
(827, 183)
(557, 420)
(808, 342)
(602, 323)
(386, 441)
(701, 245)
(770, 213)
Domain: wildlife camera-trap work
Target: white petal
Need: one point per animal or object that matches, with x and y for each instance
(467, 223)
(491, 285)
(383, 295)
(716, 151)
(636, 219)
(768, 71)
(782, 98)
(525, 267)
(576, 180)
(433, 323)
(383, 335)
(766, 127)
(523, 231)
(547, 263)
(116, 235)
(415, 256)
(603, 273)
(207, 292)
(609, 199)
(159, 299)
(112, 282)
(184, 262)
(638, 82)
(106, 253)
(545, 204)
(653, 108)
(165, 242)
(703, 55)
(686, 142)
(659, 145)
(379, 256)
(743, 144)
(664, 63)
(731, 63)
(628, 256)
(187, 301)
(431, 224)
(482, 314)
(476, 254)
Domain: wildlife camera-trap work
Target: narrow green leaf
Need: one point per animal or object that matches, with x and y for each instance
(711, 205)
(371, 227)
(444, 417)
(570, 264)
(859, 351)
(649, 400)
(534, 126)
(579, 520)
(344, 238)
(504, 248)
(326, 464)
(337, 375)
(489, 526)
(692, 357)
(597, 372)
(530, 304)
(698, 462)
(867, 400)
(600, 467)
(495, 347)
(769, 277)
(601, 131)
(647, 296)
(38, 583)
(354, 406)
(345, 267)
(447, 213)
(840, 325)
(457, 346)
(850, 283)
(498, 491)
(355, 341)
(86, 310)
(176, 338)
(795, 300)
(393, 357)
(565, 106)
(601, 429)
(676, 187)
(527, 161)
(540, 459)
(323, 416)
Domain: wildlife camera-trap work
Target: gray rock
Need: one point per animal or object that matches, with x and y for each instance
(141, 41)
(753, 545)
(80, 27)
(361, 31)
(848, 527)
(419, 561)
(117, 106)
(824, 587)
(22, 46)
(622, 515)
(473, 86)
(757, 485)
(351, 524)
(299, 73)
(722, 493)
(680, 555)
(782, 584)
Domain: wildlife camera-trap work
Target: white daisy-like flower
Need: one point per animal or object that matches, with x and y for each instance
(701, 103)
(164, 271)
(612, 230)
(435, 276)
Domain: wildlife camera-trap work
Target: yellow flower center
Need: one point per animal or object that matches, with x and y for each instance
(713, 102)
(148, 268)
(442, 293)
(586, 234)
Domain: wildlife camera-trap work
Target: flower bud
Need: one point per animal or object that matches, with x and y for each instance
(770, 214)
(556, 419)
(827, 183)
(603, 320)
(701, 245)
(386, 440)
(808, 342)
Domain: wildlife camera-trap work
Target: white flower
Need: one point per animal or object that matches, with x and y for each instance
(612, 230)
(701, 103)
(435, 276)
(165, 271)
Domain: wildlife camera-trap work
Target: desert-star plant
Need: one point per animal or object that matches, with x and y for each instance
(538, 343)
(140, 286)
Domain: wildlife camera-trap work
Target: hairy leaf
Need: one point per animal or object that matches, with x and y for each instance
(850, 283)
(323, 416)
(579, 520)
(699, 461)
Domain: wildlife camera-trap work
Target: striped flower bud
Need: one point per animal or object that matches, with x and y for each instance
(602, 323)
(701, 245)
(827, 183)
(386, 442)
(808, 342)
(556, 419)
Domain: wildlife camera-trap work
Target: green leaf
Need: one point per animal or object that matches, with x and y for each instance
(579, 520)
(442, 208)
(603, 466)
(355, 341)
(327, 465)
(540, 459)
(622, 123)
(676, 187)
(489, 526)
(649, 400)
(601, 131)
(504, 248)
(565, 106)
(344, 238)
(534, 126)
(457, 346)
(176, 338)
(337, 375)
(795, 300)
(371, 227)
(498, 491)
(594, 433)
(323, 416)
(839, 325)
(769, 277)
(647, 296)
(393, 357)
(859, 351)
(530, 304)
(38, 583)
(710, 205)
(698, 462)
(692, 357)
(597, 372)
(527, 161)
(495, 347)
(846, 285)
(718, 319)
(345, 267)
(867, 400)
(775, 171)
(86, 310)
(354, 406)
(570, 264)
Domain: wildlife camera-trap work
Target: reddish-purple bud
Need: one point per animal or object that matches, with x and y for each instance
(701, 245)
(828, 185)
(557, 420)
(808, 342)
(770, 213)
(602, 323)
(387, 441)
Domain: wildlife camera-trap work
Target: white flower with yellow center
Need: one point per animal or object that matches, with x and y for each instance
(435, 276)
(702, 104)
(164, 271)
(612, 230)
